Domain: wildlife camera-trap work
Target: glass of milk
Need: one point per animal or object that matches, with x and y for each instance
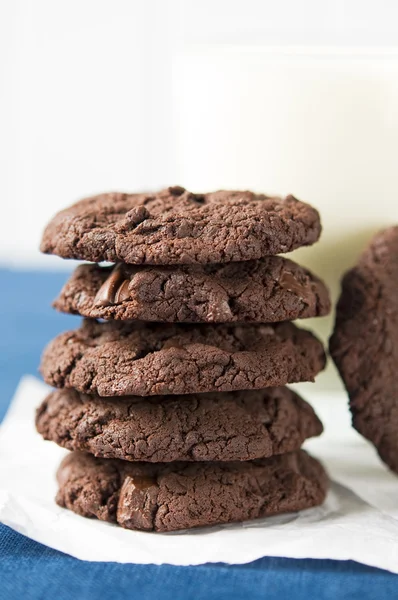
(319, 123)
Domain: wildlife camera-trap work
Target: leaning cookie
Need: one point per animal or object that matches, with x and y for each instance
(132, 358)
(174, 496)
(174, 226)
(203, 427)
(265, 291)
(364, 344)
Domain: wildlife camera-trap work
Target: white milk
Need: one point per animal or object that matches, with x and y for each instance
(321, 124)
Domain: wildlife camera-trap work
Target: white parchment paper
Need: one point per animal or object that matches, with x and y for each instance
(358, 521)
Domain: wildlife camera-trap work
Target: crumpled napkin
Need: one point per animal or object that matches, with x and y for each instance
(358, 521)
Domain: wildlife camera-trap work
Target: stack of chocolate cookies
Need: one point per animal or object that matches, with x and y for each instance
(171, 394)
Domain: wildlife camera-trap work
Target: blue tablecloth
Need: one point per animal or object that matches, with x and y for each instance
(30, 570)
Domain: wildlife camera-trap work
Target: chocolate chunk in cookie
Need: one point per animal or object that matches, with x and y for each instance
(173, 496)
(203, 427)
(268, 290)
(364, 344)
(129, 358)
(174, 226)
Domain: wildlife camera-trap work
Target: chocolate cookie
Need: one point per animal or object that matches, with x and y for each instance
(364, 344)
(174, 226)
(264, 291)
(132, 358)
(205, 427)
(173, 496)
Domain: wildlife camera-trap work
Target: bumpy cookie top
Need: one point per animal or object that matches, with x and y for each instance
(364, 344)
(120, 358)
(180, 495)
(222, 426)
(260, 291)
(175, 226)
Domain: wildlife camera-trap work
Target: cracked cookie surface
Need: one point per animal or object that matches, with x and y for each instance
(222, 426)
(269, 290)
(132, 358)
(174, 496)
(364, 344)
(175, 226)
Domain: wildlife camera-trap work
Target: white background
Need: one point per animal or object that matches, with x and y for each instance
(99, 95)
